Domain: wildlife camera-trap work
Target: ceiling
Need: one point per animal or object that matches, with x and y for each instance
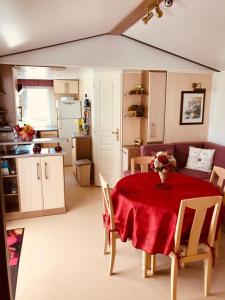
(29, 24)
(192, 29)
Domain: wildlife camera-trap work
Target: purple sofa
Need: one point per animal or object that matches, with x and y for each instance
(180, 151)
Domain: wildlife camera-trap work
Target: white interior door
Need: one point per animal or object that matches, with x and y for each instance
(107, 126)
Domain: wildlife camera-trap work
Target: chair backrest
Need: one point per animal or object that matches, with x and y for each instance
(200, 205)
(218, 178)
(107, 201)
(142, 161)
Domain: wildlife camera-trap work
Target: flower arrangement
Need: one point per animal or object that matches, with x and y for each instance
(80, 123)
(25, 132)
(163, 162)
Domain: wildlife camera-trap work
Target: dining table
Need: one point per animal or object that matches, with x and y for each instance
(146, 211)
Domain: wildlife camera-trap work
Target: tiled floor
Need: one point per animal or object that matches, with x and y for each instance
(62, 259)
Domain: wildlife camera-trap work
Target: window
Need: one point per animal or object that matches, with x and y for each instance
(38, 107)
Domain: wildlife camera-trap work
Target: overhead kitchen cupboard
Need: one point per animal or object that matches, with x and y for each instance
(67, 87)
(41, 183)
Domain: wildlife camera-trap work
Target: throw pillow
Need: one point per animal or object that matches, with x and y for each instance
(200, 159)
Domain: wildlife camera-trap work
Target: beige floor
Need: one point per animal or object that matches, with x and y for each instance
(62, 259)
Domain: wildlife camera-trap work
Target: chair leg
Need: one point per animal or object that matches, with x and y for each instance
(113, 252)
(146, 262)
(153, 264)
(106, 241)
(217, 244)
(207, 273)
(174, 270)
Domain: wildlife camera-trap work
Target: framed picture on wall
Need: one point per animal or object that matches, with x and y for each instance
(192, 107)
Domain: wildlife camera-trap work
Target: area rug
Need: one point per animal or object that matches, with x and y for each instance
(14, 242)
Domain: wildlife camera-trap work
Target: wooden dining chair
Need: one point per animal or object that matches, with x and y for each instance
(110, 233)
(217, 178)
(142, 161)
(192, 250)
(148, 261)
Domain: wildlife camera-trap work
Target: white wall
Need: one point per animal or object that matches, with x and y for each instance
(107, 51)
(177, 82)
(217, 111)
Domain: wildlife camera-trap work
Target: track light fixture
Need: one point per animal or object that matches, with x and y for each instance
(168, 3)
(148, 16)
(159, 12)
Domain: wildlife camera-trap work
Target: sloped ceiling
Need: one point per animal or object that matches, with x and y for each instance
(29, 24)
(192, 29)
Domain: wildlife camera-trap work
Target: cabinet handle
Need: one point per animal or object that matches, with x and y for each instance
(152, 135)
(38, 177)
(46, 174)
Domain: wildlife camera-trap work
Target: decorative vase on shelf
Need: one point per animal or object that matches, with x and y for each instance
(163, 176)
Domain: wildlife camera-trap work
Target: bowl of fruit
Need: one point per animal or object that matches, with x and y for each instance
(25, 132)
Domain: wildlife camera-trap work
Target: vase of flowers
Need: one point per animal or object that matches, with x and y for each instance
(80, 123)
(163, 162)
(25, 132)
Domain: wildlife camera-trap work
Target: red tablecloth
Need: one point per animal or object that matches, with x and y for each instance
(148, 215)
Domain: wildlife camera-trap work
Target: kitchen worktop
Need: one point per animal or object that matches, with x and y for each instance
(44, 152)
(34, 141)
(80, 135)
(46, 128)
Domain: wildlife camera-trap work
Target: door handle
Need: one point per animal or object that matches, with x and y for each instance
(46, 170)
(116, 133)
(38, 176)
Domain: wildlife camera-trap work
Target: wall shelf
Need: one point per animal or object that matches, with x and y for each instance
(9, 176)
(11, 194)
(128, 95)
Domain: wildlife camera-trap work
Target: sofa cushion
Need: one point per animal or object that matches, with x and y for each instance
(200, 159)
(194, 173)
(219, 157)
(182, 150)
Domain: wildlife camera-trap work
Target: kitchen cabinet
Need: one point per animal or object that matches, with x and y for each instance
(66, 87)
(41, 183)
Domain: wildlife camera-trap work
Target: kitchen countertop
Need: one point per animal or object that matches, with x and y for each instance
(80, 135)
(34, 141)
(46, 128)
(44, 152)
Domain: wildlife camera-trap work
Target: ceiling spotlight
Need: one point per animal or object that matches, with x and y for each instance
(168, 3)
(158, 10)
(148, 16)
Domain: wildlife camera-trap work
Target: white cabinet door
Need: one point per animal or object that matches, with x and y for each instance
(30, 183)
(53, 181)
(72, 87)
(156, 108)
(59, 86)
(66, 86)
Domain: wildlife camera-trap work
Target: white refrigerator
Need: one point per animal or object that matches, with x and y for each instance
(68, 113)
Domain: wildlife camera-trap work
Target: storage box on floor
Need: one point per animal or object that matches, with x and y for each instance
(83, 171)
